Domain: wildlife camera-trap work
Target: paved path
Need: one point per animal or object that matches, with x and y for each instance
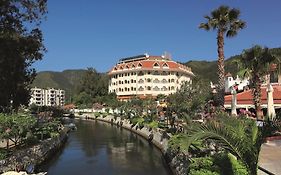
(270, 157)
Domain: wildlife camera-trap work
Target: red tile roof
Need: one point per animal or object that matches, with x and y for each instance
(246, 98)
(148, 64)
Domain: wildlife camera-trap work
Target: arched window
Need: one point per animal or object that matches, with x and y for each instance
(164, 81)
(165, 65)
(156, 73)
(140, 73)
(156, 65)
(141, 81)
(156, 88)
(139, 65)
(164, 88)
(156, 81)
(141, 88)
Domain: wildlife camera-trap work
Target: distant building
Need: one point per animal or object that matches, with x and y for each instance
(147, 76)
(47, 97)
(242, 84)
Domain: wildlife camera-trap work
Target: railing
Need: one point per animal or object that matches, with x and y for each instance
(265, 171)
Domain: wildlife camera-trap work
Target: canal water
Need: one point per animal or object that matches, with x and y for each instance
(98, 148)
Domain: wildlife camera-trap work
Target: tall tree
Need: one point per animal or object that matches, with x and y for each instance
(226, 21)
(21, 44)
(92, 88)
(256, 63)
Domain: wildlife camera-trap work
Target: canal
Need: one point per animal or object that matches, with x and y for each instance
(102, 149)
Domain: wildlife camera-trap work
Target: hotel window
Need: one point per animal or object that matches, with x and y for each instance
(141, 88)
(148, 88)
(148, 80)
(165, 65)
(172, 88)
(140, 73)
(132, 81)
(156, 88)
(141, 81)
(172, 80)
(164, 81)
(139, 65)
(132, 88)
(156, 65)
(156, 73)
(156, 81)
(164, 88)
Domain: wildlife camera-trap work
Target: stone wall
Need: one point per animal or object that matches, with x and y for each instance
(34, 155)
(178, 162)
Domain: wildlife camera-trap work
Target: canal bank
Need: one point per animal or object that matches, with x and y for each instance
(177, 162)
(35, 155)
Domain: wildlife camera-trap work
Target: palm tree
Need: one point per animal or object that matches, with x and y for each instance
(225, 21)
(256, 63)
(241, 137)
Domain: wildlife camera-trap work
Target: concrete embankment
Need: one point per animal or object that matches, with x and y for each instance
(177, 162)
(34, 155)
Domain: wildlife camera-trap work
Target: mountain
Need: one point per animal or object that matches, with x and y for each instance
(67, 80)
(208, 69)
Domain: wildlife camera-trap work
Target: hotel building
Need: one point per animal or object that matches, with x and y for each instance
(147, 76)
(47, 97)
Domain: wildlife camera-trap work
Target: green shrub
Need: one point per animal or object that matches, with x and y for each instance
(178, 141)
(203, 166)
(202, 172)
(237, 166)
(153, 124)
(31, 139)
(3, 154)
(230, 165)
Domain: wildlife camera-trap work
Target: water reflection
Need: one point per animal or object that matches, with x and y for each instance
(99, 148)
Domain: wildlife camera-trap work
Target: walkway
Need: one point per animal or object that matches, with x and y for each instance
(270, 157)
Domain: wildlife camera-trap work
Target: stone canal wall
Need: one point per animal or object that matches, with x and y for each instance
(177, 162)
(34, 155)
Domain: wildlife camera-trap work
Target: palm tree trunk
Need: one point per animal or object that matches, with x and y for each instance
(220, 43)
(257, 96)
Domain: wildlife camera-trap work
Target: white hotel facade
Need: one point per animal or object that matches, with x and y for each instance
(47, 97)
(147, 76)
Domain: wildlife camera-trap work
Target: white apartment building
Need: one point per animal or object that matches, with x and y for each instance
(47, 97)
(147, 76)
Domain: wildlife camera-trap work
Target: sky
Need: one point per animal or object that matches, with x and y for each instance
(97, 33)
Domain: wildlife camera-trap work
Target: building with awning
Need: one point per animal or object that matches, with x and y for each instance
(245, 98)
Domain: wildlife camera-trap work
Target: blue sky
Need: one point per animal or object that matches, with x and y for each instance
(97, 33)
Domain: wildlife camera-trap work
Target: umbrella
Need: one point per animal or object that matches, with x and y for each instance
(270, 103)
(233, 101)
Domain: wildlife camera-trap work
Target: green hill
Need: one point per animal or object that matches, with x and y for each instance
(67, 80)
(208, 69)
